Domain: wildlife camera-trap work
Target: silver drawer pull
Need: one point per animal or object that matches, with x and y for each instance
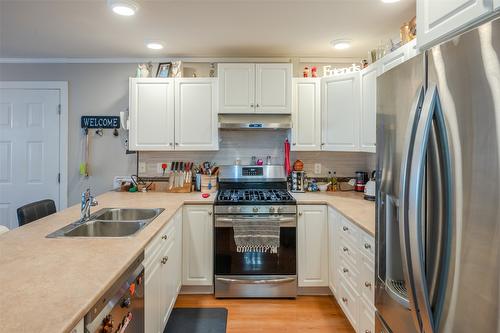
(367, 246)
(344, 299)
(164, 237)
(248, 281)
(345, 270)
(368, 331)
(345, 228)
(368, 284)
(164, 260)
(345, 249)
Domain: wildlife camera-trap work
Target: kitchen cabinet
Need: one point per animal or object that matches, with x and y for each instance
(368, 108)
(392, 59)
(332, 250)
(340, 112)
(312, 244)
(439, 20)
(151, 106)
(255, 88)
(162, 274)
(79, 328)
(167, 114)
(306, 114)
(496, 5)
(197, 245)
(196, 114)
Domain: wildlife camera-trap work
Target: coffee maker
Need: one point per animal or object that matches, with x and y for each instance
(297, 181)
(361, 179)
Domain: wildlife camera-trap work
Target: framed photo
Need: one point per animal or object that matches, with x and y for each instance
(164, 69)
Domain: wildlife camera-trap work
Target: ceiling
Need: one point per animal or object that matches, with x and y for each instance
(197, 28)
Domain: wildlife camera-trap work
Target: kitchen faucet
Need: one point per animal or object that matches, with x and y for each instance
(87, 201)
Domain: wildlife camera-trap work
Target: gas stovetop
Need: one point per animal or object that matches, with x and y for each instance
(254, 197)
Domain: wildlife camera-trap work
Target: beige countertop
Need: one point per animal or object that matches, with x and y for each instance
(48, 284)
(350, 204)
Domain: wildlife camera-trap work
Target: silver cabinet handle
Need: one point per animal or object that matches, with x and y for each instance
(368, 284)
(345, 228)
(251, 105)
(294, 144)
(368, 331)
(322, 143)
(164, 237)
(258, 105)
(170, 143)
(344, 299)
(164, 260)
(210, 213)
(300, 213)
(345, 249)
(249, 281)
(177, 143)
(367, 246)
(345, 270)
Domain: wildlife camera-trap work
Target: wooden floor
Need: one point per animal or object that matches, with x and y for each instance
(304, 314)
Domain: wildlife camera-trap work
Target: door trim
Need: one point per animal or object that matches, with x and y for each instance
(62, 86)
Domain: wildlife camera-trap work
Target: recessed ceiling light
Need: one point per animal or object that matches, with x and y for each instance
(123, 7)
(341, 44)
(154, 45)
(389, 1)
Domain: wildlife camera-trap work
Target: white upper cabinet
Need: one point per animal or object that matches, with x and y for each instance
(496, 4)
(151, 105)
(439, 19)
(237, 88)
(340, 114)
(392, 59)
(251, 88)
(312, 244)
(368, 108)
(306, 114)
(196, 114)
(273, 88)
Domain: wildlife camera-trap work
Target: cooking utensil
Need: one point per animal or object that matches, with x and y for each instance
(287, 157)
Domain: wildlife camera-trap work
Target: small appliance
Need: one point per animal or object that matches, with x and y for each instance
(361, 179)
(370, 188)
(297, 181)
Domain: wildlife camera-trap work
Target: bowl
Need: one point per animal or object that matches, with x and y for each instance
(323, 186)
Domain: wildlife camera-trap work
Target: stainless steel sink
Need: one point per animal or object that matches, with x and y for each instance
(110, 222)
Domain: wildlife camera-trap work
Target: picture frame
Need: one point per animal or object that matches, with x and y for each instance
(164, 69)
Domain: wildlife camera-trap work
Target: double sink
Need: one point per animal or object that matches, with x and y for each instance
(110, 222)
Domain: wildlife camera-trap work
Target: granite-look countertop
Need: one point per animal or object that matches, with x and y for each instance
(49, 284)
(350, 204)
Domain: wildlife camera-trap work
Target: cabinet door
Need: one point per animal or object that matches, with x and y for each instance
(79, 328)
(178, 247)
(237, 88)
(273, 92)
(151, 106)
(152, 296)
(332, 251)
(168, 292)
(197, 246)
(312, 231)
(439, 20)
(196, 114)
(306, 130)
(392, 59)
(366, 318)
(368, 108)
(340, 113)
(496, 5)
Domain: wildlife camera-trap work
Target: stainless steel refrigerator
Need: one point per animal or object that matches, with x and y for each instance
(438, 189)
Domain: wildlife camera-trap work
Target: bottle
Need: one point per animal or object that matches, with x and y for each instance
(335, 183)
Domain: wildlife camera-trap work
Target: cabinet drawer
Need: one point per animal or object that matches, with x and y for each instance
(366, 318)
(367, 280)
(348, 230)
(163, 238)
(349, 273)
(348, 300)
(367, 245)
(348, 251)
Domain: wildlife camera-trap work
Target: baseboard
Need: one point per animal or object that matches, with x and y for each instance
(187, 290)
(313, 291)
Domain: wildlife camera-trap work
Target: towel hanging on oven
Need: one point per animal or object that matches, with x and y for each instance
(256, 236)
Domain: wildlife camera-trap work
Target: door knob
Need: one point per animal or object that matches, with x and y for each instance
(367, 246)
(345, 249)
(368, 284)
(345, 270)
(164, 237)
(344, 299)
(345, 228)
(300, 213)
(209, 213)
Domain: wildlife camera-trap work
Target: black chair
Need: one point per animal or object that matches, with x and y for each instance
(35, 210)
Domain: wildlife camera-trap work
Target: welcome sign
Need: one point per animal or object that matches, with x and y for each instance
(100, 122)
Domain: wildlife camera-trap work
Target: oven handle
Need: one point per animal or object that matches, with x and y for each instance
(262, 281)
(228, 221)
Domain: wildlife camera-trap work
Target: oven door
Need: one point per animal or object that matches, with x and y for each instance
(230, 262)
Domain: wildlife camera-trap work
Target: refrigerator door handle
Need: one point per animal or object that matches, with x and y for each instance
(431, 114)
(408, 150)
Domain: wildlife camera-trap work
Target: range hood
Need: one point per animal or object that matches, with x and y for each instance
(254, 121)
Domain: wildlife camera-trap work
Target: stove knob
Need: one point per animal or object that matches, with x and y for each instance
(271, 209)
(255, 209)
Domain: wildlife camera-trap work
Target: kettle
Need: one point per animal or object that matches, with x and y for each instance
(370, 188)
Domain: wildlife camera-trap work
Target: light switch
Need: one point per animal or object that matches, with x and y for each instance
(317, 168)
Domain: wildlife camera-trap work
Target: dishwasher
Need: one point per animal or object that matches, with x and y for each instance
(121, 308)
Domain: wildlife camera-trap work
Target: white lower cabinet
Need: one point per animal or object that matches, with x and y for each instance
(351, 271)
(197, 245)
(312, 244)
(79, 328)
(162, 275)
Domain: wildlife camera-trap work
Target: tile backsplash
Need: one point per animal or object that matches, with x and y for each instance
(244, 144)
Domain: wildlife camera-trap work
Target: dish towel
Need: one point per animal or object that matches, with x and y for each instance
(257, 236)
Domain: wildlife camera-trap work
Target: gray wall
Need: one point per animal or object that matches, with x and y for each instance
(93, 89)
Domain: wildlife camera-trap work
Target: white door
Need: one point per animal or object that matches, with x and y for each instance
(196, 114)
(236, 88)
(306, 128)
(168, 292)
(197, 246)
(151, 106)
(368, 108)
(437, 20)
(29, 149)
(340, 113)
(312, 244)
(152, 295)
(332, 250)
(273, 88)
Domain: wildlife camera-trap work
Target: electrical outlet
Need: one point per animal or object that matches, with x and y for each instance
(142, 167)
(159, 170)
(317, 168)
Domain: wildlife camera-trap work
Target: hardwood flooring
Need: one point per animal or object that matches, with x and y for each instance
(311, 314)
